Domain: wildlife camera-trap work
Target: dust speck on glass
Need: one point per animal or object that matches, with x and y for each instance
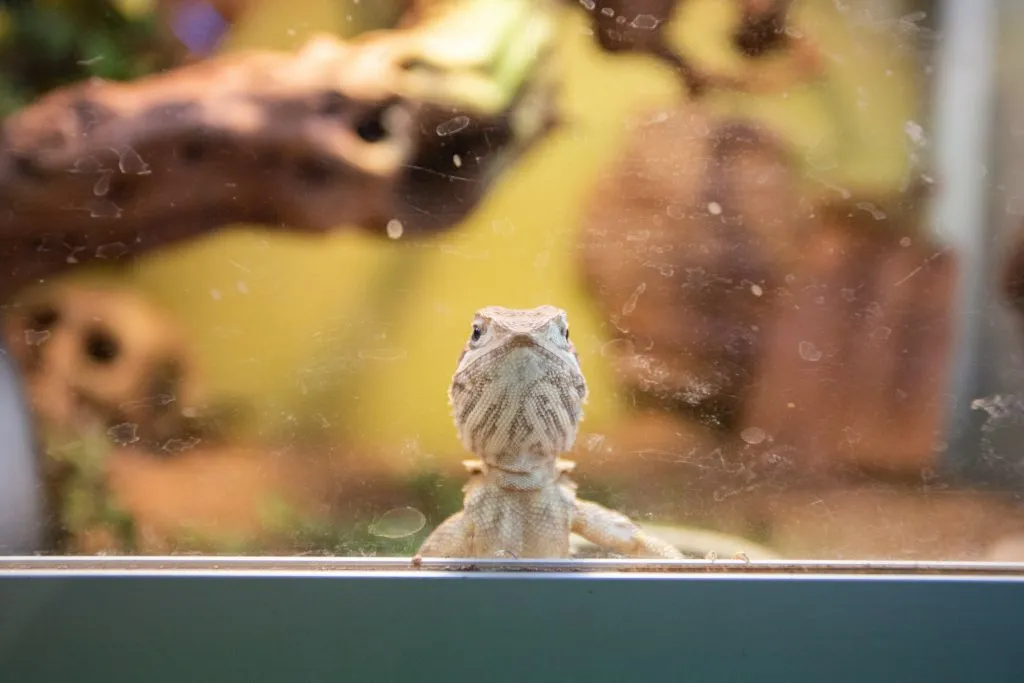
(705, 279)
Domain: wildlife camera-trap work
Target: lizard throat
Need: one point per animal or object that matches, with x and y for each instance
(534, 476)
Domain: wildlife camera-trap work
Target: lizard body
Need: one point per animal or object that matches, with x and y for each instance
(517, 399)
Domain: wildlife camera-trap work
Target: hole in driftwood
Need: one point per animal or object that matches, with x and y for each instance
(372, 128)
(44, 318)
(101, 347)
(193, 151)
(27, 167)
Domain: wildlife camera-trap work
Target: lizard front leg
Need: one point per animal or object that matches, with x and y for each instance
(452, 538)
(618, 533)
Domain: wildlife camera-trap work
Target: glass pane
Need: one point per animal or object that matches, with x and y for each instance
(297, 278)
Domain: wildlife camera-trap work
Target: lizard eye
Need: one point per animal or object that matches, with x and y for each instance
(475, 336)
(567, 333)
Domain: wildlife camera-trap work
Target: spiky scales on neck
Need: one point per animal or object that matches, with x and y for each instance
(517, 394)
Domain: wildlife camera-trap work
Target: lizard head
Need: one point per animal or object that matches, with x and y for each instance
(518, 386)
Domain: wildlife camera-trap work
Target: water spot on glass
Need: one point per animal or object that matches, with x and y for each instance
(124, 434)
(875, 212)
(696, 392)
(395, 228)
(675, 211)
(102, 185)
(89, 164)
(215, 294)
(848, 294)
(617, 347)
(113, 250)
(36, 337)
(631, 302)
(756, 290)
(663, 269)
(714, 208)
(103, 209)
(753, 435)
(645, 22)
(915, 132)
(905, 242)
(997, 406)
(809, 352)
(129, 161)
(608, 11)
(594, 442)
(791, 405)
(790, 278)
(588, 5)
(457, 160)
(881, 334)
(242, 287)
(452, 126)
(503, 226)
(913, 17)
(398, 523)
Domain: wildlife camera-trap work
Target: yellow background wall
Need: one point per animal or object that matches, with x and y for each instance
(358, 336)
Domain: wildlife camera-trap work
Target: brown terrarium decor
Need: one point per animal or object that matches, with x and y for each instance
(403, 129)
(806, 328)
(99, 357)
(686, 252)
(761, 30)
(103, 369)
(853, 379)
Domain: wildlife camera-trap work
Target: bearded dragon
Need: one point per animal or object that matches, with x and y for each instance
(517, 399)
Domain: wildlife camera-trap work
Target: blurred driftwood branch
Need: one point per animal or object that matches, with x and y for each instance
(406, 128)
(762, 30)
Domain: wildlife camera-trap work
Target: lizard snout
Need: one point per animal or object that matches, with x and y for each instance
(521, 340)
